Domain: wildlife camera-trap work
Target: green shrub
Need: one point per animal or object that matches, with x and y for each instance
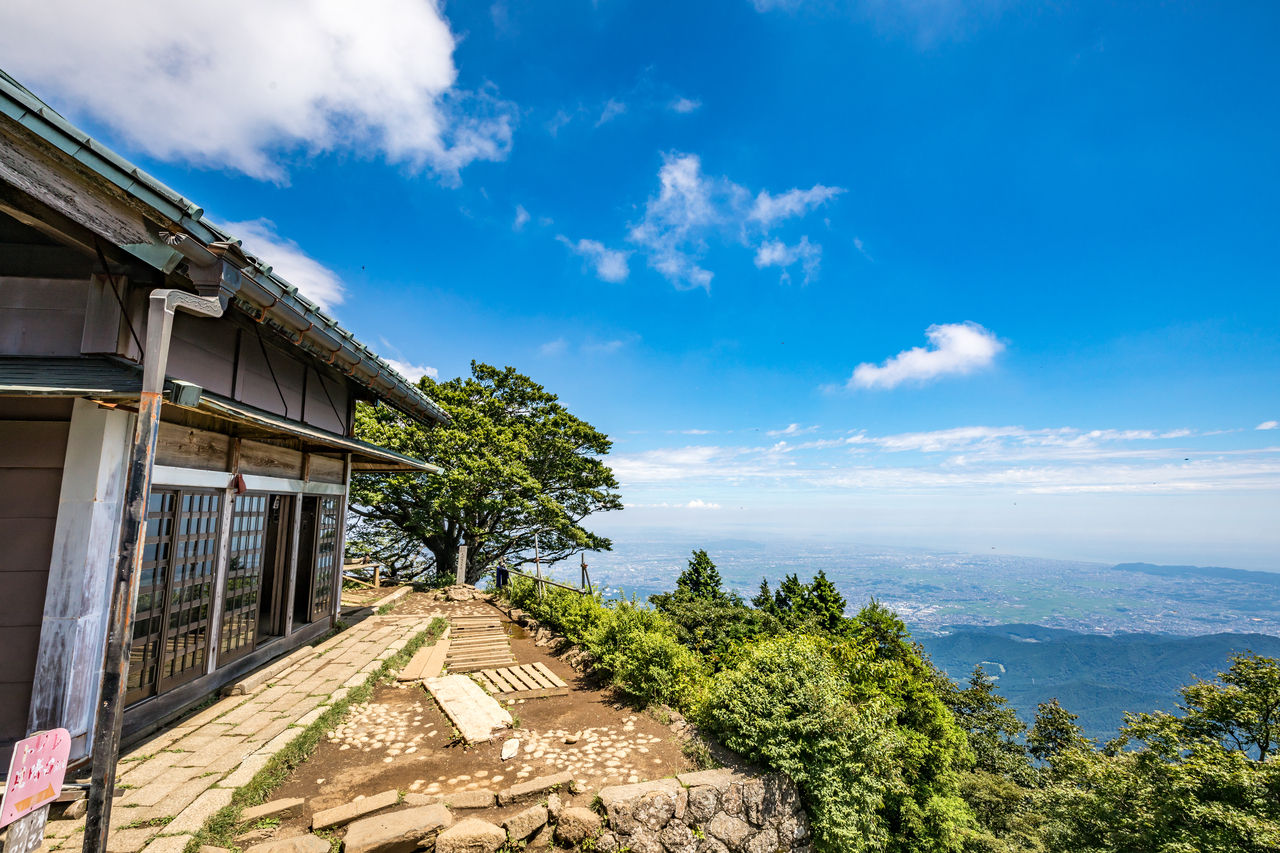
(785, 704)
(634, 645)
(655, 668)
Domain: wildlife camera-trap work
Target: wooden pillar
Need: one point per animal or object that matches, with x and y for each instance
(86, 533)
(224, 557)
(341, 555)
(296, 524)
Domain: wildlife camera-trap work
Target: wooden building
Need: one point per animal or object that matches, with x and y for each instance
(244, 518)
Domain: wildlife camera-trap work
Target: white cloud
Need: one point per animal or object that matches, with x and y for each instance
(611, 110)
(791, 429)
(609, 264)
(412, 372)
(691, 207)
(555, 347)
(1268, 425)
(522, 216)
(697, 432)
(958, 348)
(286, 258)
(697, 504)
(603, 346)
(246, 86)
(775, 253)
(684, 105)
(1048, 461)
(559, 120)
(769, 210)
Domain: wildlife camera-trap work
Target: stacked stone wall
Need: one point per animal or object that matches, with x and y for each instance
(713, 811)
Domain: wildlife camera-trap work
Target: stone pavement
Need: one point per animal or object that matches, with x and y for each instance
(177, 780)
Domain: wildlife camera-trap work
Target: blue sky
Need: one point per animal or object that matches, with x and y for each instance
(695, 221)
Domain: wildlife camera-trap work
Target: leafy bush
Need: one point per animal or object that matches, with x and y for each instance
(635, 645)
(859, 725)
(786, 704)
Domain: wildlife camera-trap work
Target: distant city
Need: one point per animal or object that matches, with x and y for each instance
(935, 590)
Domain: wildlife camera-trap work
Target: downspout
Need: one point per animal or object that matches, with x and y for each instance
(115, 672)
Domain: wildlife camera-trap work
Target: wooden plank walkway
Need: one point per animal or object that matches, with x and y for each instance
(477, 642)
(428, 661)
(526, 681)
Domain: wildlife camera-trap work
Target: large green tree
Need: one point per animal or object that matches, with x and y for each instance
(516, 464)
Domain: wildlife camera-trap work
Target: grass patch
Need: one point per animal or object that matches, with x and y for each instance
(155, 821)
(699, 754)
(220, 829)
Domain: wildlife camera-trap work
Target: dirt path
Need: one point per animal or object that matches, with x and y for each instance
(400, 740)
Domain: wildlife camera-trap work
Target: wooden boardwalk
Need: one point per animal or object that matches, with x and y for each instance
(527, 681)
(477, 642)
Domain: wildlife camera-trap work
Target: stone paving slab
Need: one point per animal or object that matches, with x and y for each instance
(189, 772)
(474, 713)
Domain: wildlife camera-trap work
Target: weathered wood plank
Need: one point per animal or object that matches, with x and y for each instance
(542, 680)
(184, 447)
(98, 208)
(485, 682)
(325, 469)
(268, 460)
(545, 670)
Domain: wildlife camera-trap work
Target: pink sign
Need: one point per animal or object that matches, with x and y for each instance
(36, 771)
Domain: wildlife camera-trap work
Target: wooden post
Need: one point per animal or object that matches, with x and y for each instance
(537, 562)
(377, 575)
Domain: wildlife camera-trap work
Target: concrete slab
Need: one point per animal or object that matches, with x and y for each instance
(344, 814)
(474, 713)
(205, 806)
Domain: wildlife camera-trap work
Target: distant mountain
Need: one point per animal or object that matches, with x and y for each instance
(1269, 578)
(1096, 676)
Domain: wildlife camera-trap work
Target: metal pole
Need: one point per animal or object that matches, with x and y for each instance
(537, 561)
(586, 578)
(115, 673)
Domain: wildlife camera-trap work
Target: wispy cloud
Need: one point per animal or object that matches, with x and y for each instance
(609, 264)
(775, 253)
(245, 99)
(1056, 460)
(605, 347)
(928, 22)
(559, 120)
(555, 347)
(287, 259)
(690, 208)
(412, 372)
(1268, 425)
(957, 349)
(684, 105)
(697, 432)
(612, 109)
(791, 429)
(522, 217)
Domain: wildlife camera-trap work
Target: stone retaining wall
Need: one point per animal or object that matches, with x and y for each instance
(714, 811)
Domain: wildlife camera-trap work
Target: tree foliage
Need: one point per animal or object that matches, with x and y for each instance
(1199, 782)
(516, 464)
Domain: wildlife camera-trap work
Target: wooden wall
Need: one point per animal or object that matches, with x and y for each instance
(244, 362)
(187, 447)
(33, 446)
(41, 316)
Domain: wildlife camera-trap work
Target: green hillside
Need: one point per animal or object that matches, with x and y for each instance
(1097, 677)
